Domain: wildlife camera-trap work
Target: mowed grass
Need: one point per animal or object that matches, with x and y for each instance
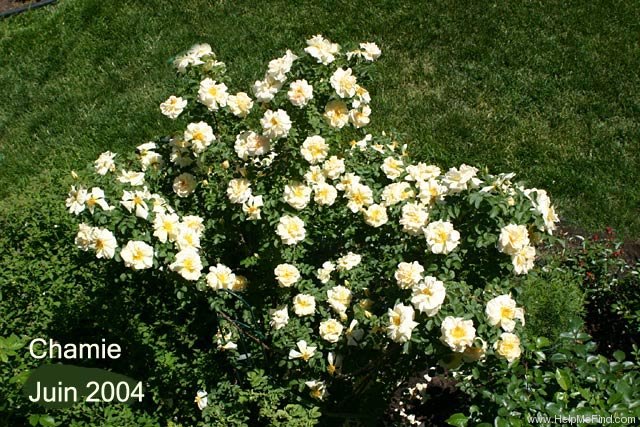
(549, 90)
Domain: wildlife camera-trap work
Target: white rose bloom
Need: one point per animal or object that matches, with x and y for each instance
(354, 336)
(324, 274)
(213, 95)
(359, 117)
(103, 242)
(422, 172)
(370, 51)
(339, 298)
(240, 104)
(348, 261)
(297, 195)
(199, 136)
(414, 218)
(523, 259)
(252, 207)
(159, 205)
(239, 190)
(362, 97)
(131, 177)
(363, 143)
(240, 284)
(347, 180)
(105, 163)
(441, 237)
(146, 147)
(512, 238)
(318, 389)
(136, 201)
(334, 363)
(275, 124)
(392, 167)
(358, 196)
(304, 305)
(409, 275)
(542, 204)
(137, 255)
(184, 185)
(183, 62)
(457, 333)
(508, 346)
(322, 49)
(431, 191)
(187, 264)
(199, 50)
(286, 275)
(428, 296)
(315, 176)
(502, 311)
(291, 229)
(152, 160)
(278, 68)
(300, 93)
(84, 238)
(376, 215)
(460, 179)
(279, 318)
(325, 194)
(96, 197)
(333, 167)
(193, 222)
(401, 323)
(220, 277)
(397, 192)
(166, 227)
(266, 89)
(187, 238)
(336, 114)
(330, 330)
(173, 107)
(181, 157)
(304, 352)
(475, 353)
(250, 144)
(201, 399)
(314, 149)
(343, 82)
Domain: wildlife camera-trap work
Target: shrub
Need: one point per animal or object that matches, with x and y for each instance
(562, 379)
(337, 263)
(553, 299)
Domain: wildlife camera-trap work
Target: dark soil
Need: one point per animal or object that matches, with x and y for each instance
(609, 329)
(8, 5)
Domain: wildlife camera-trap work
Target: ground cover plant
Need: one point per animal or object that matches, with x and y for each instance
(263, 167)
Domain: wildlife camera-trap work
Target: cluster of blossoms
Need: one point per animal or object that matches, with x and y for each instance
(282, 194)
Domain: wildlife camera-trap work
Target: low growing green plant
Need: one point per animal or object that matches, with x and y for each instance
(565, 379)
(554, 301)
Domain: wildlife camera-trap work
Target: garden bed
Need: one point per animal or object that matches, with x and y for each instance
(10, 7)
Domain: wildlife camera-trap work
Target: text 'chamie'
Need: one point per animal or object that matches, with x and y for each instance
(41, 349)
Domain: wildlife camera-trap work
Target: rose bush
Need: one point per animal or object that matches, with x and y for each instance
(334, 263)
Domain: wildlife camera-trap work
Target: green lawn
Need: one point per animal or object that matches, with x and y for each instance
(550, 90)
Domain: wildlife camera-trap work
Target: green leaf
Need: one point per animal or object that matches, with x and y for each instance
(458, 420)
(542, 342)
(47, 421)
(563, 379)
(619, 355)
